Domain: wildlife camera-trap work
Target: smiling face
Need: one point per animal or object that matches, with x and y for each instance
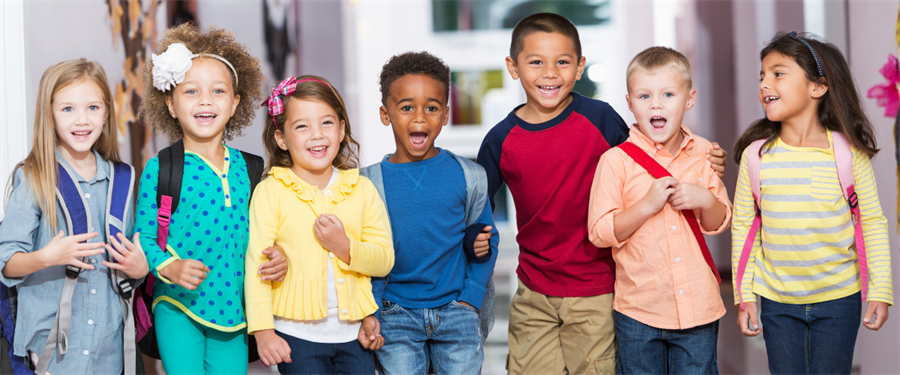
(658, 99)
(785, 92)
(312, 133)
(79, 114)
(416, 109)
(548, 67)
(204, 102)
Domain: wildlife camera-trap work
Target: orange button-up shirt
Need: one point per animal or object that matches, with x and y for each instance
(662, 279)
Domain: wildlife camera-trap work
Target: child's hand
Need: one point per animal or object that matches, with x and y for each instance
(750, 313)
(658, 194)
(329, 231)
(483, 242)
(65, 250)
(272, 348)
(880, 312)
(688, 196)
(719, 158)
(276, 267)
(129, 258)
(370, 333)
(188, 273)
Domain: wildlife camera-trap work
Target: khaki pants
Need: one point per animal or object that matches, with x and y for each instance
(561, 335)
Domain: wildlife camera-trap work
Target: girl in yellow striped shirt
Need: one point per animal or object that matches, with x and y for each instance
(804, 269)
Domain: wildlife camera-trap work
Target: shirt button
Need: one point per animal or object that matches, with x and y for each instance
(90, 321)
(340, 281)
(701, 179)
(88, 195)
(94, 261)
(227, 196)
(86, 352)
(673, 227)
(658, 147)
(344, 312)
(677, 259)
(93, 291)
(327, 193)
(681, 291)
(670, 165)
(223, 176)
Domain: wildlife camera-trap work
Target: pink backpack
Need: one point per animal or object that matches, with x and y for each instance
(844, 162)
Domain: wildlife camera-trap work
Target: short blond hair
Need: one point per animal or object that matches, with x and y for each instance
(654, 58)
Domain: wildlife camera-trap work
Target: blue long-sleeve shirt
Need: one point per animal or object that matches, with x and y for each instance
(426, 202)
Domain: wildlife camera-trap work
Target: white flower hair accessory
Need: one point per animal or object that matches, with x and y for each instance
(170, 67)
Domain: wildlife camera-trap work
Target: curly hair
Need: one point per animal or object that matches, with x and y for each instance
(213, 41)
(310, 87)
(422, 63)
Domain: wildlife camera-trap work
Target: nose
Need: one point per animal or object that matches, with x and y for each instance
(419, 116)
(205, 98)
(81, 118)
(763, 84)
(316, 132)
(551, 71)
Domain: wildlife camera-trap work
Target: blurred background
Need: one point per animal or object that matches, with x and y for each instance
(348, 42)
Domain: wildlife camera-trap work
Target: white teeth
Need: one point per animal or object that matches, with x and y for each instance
(656, 118)
(81, 133)
(548, 89)
(205, 115)
(317, 148)
(769, 99)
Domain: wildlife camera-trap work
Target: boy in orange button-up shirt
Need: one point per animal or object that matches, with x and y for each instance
(667, 298)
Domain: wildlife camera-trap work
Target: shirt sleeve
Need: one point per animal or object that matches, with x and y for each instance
(606, 201)
(373, 255)
(20, 227)
(489, 159)
(875, 230)
(715, 185)
(145, 221)
(264, 217)
(478, 275)
(744, 211)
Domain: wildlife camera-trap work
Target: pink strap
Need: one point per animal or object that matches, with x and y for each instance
(843, 160)
(163, 216)
(754, 160)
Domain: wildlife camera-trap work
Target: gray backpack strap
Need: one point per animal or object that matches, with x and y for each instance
(373, 173)
(476, 199)
(476, 188)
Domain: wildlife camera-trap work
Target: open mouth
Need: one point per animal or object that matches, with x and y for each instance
(549, 90)
(418, 139)
(770, 99)
(205, 118)
(82, 134)
(658, 122)
(318, 151)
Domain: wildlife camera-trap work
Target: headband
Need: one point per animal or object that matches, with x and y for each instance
(287, 87)
(170, 67)
(793, 34)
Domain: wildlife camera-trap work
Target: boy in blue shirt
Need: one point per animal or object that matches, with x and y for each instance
(431, 299)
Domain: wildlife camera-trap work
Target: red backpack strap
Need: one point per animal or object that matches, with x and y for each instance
(657, 171)
(754, 160)
(843, 160)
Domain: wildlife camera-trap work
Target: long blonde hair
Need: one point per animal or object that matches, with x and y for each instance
(41, 165)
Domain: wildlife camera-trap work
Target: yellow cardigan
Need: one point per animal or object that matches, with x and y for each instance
(282, 212)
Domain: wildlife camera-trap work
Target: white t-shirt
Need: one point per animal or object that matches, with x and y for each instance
(328, 330)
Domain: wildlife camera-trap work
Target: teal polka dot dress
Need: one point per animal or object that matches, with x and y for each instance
(211, 225)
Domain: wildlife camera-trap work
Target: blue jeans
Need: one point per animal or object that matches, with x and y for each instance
(816, 338)
(317, 358)
(647, 350)
(446, 338)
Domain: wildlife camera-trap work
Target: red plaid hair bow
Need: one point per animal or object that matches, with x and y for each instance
(286, 87)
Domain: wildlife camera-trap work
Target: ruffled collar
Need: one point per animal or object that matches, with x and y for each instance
(346, 180)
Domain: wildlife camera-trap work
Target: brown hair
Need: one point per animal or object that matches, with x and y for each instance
(41, 164)
(660, 57)
(318, 89)
(408, 63)
(839, 109)
(213, 41)
(543, 22)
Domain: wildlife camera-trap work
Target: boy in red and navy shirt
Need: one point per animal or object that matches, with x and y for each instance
(546, 151)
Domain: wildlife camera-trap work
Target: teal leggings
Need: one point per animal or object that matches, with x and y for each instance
(187, 347)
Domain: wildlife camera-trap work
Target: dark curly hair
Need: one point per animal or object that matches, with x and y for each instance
(422, 63)
(213, 41)
(316, 88)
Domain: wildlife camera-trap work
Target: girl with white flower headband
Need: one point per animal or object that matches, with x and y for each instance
(201, 90)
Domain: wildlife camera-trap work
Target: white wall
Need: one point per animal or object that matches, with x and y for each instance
(13, 133)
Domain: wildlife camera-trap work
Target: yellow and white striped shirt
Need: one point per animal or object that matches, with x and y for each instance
(807, 234)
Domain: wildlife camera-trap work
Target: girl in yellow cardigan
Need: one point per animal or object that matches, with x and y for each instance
(334, 230)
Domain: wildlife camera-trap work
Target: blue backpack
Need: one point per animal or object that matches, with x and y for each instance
(476, 198)
(78, 221)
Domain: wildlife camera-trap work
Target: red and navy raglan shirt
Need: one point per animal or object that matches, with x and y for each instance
(549, 168)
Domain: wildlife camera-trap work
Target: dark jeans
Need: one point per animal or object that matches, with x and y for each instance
(816, 338)
(647, 350)
(317, 358)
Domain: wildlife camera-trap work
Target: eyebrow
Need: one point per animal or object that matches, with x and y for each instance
(430, 99)
(89, 103)
(306, 119)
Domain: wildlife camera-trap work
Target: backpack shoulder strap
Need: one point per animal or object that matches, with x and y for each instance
(255, 168)
(75, 208)
(373, 173)
(118, 204)
(476, 188)
(658, 171)
(843, 160)
(168, 191)
(754, 161)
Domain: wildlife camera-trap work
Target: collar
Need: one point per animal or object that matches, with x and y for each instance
(515, 120)
(687, 145)
(102, 167)
(340, 189)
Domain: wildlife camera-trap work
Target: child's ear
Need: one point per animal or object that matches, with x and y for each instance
(582, 62)
(343, 130)
(170, 103)
(818, 89)
(237, 100)
(692, 98)
(512, 68)
(385, 118)
(446, 119)
(628, 100)
(279, 140)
